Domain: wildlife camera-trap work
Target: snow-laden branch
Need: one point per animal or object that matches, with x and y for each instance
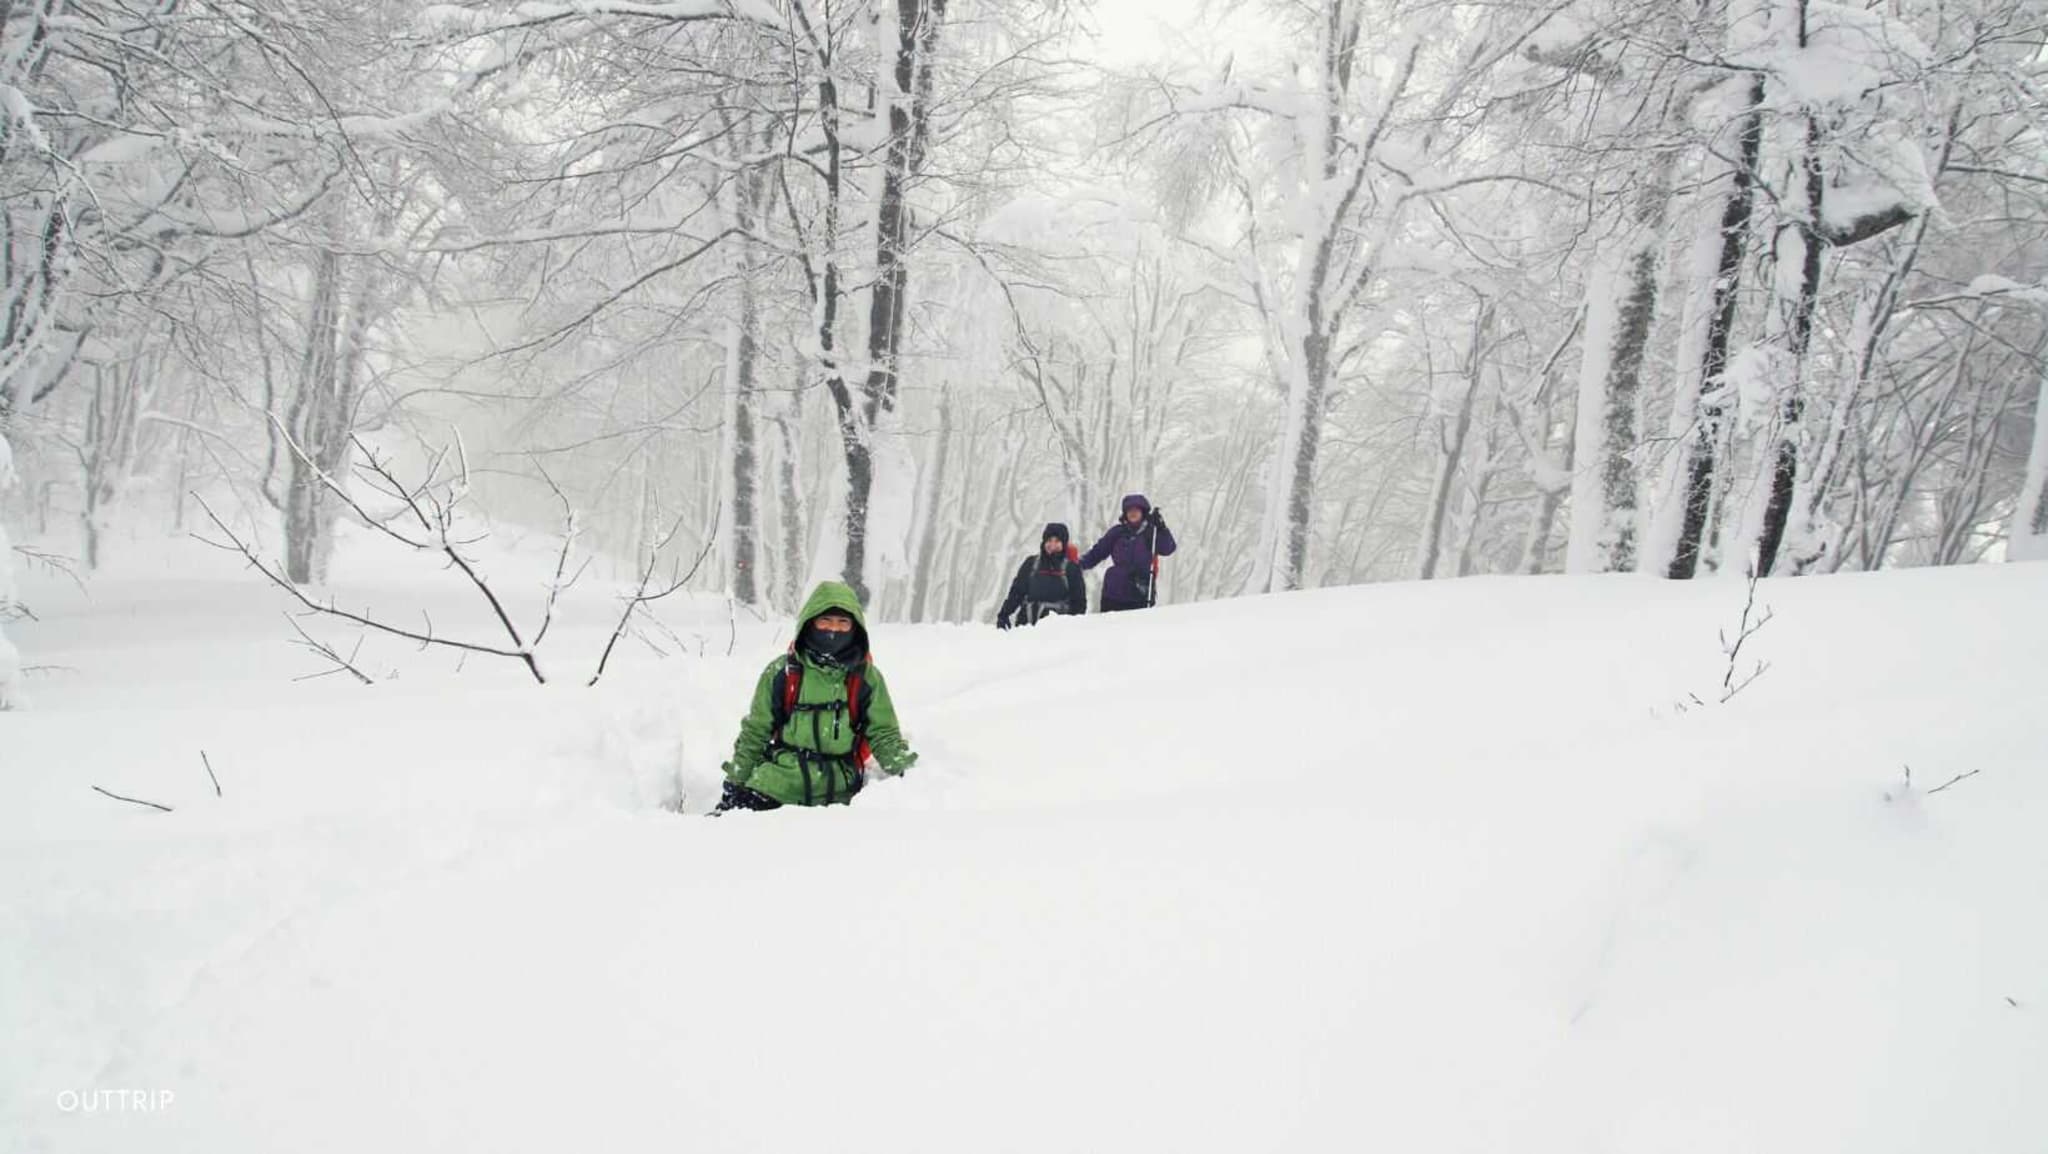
(623, 291)
(1985, 289)
(528, 29)
(1072, 453)
(215, 222)
(625, 226)
(476, 20)
(557, 585)
(359, 126)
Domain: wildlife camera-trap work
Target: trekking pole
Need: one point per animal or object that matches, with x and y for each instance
(1152, 590)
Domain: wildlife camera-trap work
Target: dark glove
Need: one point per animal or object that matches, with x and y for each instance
(1002, 623)
(1158, 522)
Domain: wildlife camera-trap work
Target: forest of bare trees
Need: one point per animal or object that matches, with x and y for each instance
(1357, 290)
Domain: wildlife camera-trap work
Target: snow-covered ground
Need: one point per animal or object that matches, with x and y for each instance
(1434, 867)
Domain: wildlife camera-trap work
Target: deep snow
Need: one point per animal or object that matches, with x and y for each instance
(1431, 867)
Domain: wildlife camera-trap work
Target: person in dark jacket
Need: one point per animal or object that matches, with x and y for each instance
(1130, 547)
(1049, 582)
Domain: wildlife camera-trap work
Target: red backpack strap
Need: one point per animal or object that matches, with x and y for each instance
(861, 752)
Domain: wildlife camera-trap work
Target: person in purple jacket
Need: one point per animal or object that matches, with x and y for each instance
(1129, 547)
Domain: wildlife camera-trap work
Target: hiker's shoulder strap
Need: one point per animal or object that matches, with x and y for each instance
(783, 696)
(860, 691)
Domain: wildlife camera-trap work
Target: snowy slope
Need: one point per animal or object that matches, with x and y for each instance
(1426, 867)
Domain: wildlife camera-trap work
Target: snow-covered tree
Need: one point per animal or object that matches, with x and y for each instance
(2029, 533)
(10, 661)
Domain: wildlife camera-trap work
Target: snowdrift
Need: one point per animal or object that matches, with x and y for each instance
(1476, 865)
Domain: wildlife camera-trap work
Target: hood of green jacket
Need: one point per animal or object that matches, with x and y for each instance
(831, 595)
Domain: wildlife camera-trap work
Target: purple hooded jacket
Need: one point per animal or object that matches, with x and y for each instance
(1128, 549)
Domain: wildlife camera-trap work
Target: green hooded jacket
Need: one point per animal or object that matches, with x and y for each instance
(812, 762)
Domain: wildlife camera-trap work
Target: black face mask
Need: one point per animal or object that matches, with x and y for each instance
(828, 646)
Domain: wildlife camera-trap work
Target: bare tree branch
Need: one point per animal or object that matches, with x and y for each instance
(642, 597)
(131, 800)
(342, 664)
(333, 610)
(1953, 780)
(1745, 630)
(556, 586)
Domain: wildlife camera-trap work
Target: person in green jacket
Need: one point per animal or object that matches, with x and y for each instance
(818, 714)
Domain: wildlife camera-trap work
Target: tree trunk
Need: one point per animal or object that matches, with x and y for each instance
(1622, 306)
(113, 443)
(753, 200)
(1814, 236)
(338, 444)
(308, 420)
(1811, 248)
(1621, 311)
(794, 562)
(186, 440)
(1307, 432)
(1536, 546)
(1813, 488)
(2028, 538)
(1452, 448)
(1317, 317)
(10, 661)
(1482, 484)
(934, 506)
(1704, 446)
(742, 370)
(918, 23)
(1551, 498)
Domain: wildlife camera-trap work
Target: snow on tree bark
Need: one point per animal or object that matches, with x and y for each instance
(2028, 538)
(790, 498)
(10, 659)
(865, 408)
(1451, 445)
(1831, 213)
(1310, 328)
(861, 418)
(1799, 259)
(933, 515)
(1703, 445)
(120, 395)
(310, 422)
(1622, 304)
(751, 193)
(1621, 309)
